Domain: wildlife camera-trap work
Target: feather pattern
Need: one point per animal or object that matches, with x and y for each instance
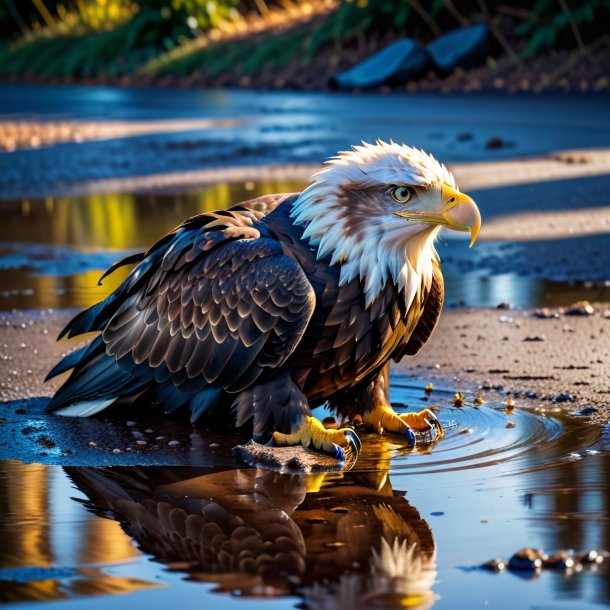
(272, 306)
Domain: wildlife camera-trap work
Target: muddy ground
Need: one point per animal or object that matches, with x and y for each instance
(551, 358)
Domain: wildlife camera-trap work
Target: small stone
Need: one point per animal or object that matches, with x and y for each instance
(494, 565)
(563, 398)
(592, 557)
(545, 313)
(535, 338)
(527, 560)
(580, 308)
(130, 423)
(116, 451)
(141, 443)
(504, 305)
(561, 560)
(173, 443)
(92, 444)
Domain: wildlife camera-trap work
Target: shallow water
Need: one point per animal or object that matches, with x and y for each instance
(237, 537)
(53, 251)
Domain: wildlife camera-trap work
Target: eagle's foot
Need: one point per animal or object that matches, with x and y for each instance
(313, 435)
(384, 418)
(423, 422)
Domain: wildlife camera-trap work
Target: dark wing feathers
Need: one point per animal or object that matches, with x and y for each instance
(215, 315)
(208, 308)
(244, 305)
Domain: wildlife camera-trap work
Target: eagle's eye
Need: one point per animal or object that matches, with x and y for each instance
(401, 194)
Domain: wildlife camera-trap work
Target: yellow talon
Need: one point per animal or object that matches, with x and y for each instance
(312, 433)
(383, 417)
(423, 421)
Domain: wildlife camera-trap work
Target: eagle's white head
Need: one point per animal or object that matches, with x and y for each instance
(376, 210)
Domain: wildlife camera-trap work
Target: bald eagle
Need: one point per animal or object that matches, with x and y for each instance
(281, 304)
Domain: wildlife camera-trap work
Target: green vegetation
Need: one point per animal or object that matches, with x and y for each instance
(103, 37)
(552, 20)
(85, 38)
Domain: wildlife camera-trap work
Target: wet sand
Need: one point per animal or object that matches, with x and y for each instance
(547, 362)
(553, 362)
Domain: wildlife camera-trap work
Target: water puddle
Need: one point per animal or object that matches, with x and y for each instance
(53, 251)
(397, 529)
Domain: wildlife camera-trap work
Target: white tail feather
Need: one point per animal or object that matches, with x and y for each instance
(85, 408)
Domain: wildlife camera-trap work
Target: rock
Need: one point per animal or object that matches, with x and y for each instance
(527, 559)
(494, 565)
(592, 557)
(398, 62)
(463, 47)
(496, 142)
(504, 305)
(535, 338)
(580, 308)
(545, 314)
(564, 397)
(561, 560)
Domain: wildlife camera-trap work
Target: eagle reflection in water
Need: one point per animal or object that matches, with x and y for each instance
(337, 540)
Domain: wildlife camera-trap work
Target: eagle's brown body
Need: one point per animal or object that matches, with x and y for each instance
(281, 304)
(233, 307)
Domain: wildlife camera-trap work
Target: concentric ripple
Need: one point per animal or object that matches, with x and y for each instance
(481, 437)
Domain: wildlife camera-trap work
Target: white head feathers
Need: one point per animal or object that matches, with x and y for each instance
(345, 218)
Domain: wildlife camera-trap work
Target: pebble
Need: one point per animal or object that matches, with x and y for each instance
(561, 560)
(580, 308)
(494, 565)
(564, 397)
(527, 559)
(545, 313)
(173, 443)
(141, 443)
(535, 338)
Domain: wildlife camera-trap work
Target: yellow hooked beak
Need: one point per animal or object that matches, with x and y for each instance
(459, 212)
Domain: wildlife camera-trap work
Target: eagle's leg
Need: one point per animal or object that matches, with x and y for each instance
(311, 433)
(373, 403)
(281, 413)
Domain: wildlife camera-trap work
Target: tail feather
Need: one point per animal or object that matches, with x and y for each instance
(95, 385)
(85, 408)
(73, 359)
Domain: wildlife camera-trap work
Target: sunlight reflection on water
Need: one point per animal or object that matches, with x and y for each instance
(232, 536)
(53, 251)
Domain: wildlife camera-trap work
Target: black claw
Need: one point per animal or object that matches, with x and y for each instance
(337, 452)
(354, 441)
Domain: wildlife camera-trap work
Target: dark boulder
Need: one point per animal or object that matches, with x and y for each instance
(399, 62)
(463, 47)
